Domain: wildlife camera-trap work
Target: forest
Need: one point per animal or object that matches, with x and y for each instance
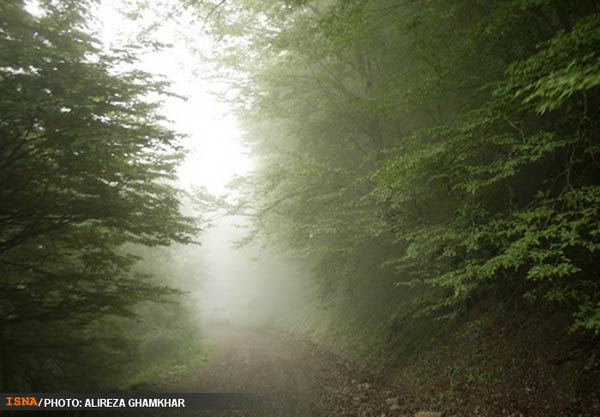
(423, 202)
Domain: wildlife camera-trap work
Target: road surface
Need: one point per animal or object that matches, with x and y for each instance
(301, 380)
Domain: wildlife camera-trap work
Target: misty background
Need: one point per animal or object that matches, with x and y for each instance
(368, 208)
(252, 283)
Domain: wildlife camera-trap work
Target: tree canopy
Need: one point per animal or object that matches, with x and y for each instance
(86, 166)
(447, 147)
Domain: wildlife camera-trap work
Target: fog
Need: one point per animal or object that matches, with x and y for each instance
(253, 284)
(357, 208)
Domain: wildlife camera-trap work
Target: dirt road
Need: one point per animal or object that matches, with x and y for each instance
(303, 380)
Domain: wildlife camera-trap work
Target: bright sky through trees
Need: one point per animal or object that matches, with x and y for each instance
(215, 153)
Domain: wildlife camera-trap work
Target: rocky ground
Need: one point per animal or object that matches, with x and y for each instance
(306, 380)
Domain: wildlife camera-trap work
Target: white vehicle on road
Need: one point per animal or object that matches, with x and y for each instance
(218, 315)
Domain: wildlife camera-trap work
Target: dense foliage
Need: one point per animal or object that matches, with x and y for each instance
(447, 147)
(86, 166)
